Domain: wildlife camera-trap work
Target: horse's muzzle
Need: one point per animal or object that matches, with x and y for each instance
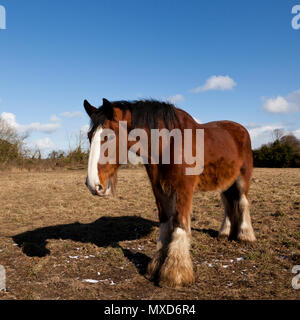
(99, 190)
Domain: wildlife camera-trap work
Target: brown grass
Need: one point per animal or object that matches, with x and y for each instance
(54, 235)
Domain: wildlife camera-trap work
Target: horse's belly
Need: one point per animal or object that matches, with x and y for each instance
(218, 175)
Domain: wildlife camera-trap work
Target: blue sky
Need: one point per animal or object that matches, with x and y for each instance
(216, 59)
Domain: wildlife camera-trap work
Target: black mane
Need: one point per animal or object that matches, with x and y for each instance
(144, 113)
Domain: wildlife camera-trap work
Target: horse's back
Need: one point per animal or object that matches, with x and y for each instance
(230, 126)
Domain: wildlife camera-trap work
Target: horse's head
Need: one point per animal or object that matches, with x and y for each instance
(101, 177)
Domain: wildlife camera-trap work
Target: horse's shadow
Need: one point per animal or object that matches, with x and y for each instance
(104, 232)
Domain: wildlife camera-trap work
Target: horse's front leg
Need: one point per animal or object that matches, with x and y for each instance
(166, 204)
(172, 262)
(177, 269)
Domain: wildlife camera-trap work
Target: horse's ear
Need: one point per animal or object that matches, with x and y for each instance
(108, 109)
(106, 102)
(89, 108)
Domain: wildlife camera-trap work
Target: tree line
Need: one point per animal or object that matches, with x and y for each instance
(15, 154)
(282, 152)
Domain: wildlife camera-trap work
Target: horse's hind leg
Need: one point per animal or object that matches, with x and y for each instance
(226, 224)
(245, 230)
(237, 221)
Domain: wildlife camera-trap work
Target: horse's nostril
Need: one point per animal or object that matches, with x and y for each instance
(99, 187)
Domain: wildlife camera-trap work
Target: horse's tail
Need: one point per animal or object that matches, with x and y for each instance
(247, 166)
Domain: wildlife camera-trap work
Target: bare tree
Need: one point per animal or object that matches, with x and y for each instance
(7, 132)
(277, 134)
(78, 141)
(11, 143)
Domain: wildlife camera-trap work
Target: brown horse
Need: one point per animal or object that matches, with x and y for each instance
(228, 167)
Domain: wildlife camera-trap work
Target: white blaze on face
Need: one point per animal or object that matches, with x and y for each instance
(94, 157)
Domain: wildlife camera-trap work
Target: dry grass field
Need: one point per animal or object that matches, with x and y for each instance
(55, 237)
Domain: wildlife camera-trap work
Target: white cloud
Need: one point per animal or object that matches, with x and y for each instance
(54, 118)
(176, 98)
(85, 128)
(255, 132)
(10, 118)
(261, 134)
(216, 83)
(71, 115)
(290, 103)
(42, 144)
(276, 105)
(296, 133)
(264, 133)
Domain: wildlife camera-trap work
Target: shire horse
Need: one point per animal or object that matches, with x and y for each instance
(228, 166)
